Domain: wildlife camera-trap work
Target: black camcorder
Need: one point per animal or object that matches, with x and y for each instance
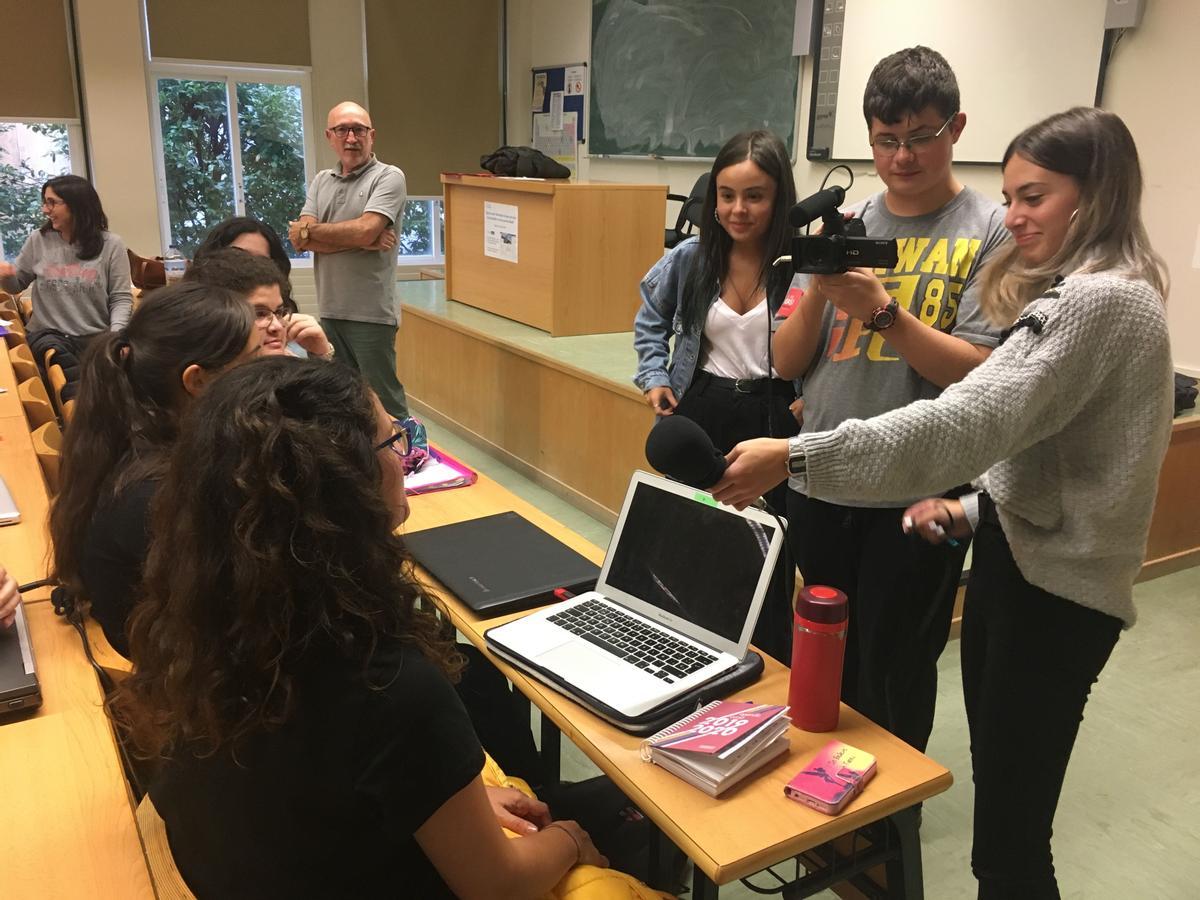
(843, 243)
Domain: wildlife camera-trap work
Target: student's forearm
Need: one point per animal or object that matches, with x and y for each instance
(795, 343)
(936, 356)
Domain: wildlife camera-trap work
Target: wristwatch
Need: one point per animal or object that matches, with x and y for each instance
(797, 462)
(883, 317)
(328, 354)
(304, 235)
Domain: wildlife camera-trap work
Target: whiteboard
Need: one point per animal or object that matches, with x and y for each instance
(1017, 61)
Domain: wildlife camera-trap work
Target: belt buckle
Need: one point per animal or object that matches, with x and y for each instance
(749, 382)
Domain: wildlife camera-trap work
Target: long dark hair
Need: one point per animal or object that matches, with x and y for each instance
(767, 151)
(272, 538)
(130, 394)
(1094, 147)
(88, 221)
(223, 234)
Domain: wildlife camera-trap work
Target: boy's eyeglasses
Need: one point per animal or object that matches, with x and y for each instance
(397, 443)
(890, 146)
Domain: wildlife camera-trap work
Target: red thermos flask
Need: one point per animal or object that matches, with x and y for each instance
(818, 645)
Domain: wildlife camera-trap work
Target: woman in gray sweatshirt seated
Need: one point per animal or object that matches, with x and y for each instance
(78, 268)
(1068, 422)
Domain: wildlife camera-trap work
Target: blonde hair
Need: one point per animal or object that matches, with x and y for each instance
(1106, 233)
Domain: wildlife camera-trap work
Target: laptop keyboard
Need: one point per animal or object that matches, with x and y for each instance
(632, 640)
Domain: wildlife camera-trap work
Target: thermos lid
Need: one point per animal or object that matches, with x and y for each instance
(825, 605)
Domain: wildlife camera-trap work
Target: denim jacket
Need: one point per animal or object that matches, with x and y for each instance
(660, 317)
(662, 301)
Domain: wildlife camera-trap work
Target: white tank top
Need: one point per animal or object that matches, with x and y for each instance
(735, 346)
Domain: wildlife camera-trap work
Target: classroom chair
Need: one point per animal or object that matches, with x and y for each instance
(23, 365)
(688, 220)
(16, 333)
(35, 400)
(56, 376)
(47, 443)
(168, 883)
(146, 273)
(68, 411)
(24, 308)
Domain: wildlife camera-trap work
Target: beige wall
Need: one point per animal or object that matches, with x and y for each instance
(117, 111)
(1154, 85)
(339, 70)
(1159, 53)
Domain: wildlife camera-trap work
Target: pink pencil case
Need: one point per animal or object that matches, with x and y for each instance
(832, 778)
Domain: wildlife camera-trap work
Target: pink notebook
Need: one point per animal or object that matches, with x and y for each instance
(440, 473)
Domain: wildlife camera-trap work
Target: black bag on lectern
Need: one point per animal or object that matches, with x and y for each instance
(524, 162)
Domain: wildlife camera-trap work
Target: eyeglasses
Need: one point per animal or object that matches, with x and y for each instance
(359, 131)
(263, 316)
(397, 443)
(890, 146)
(52, 202)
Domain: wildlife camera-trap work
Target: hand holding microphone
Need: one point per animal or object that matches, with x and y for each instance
(680, 449)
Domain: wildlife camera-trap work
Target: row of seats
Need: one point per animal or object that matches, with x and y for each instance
(44, 406)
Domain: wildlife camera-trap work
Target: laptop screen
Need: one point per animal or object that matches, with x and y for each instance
(690, 559)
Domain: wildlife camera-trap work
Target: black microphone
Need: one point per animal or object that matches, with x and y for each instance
(682, 450)
(812, 208)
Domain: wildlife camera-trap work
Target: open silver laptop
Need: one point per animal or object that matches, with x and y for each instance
(677, 600)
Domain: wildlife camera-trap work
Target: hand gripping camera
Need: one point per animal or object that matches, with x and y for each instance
(842, 244)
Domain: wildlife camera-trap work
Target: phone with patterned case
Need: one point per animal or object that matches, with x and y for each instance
(832, 778)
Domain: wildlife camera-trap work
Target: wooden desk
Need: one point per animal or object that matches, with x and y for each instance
(24, 546)
(1174, 540)
(68, 828)
(582, 250)
(753, 825)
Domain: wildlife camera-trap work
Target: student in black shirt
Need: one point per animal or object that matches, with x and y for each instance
(287, 680)
(136, 383)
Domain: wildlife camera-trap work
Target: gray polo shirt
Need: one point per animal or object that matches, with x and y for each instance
(358, 285)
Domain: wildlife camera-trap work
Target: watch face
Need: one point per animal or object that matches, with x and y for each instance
(883, 318)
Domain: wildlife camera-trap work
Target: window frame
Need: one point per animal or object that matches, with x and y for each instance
(76, 150)
(438, 256)
(231, 74)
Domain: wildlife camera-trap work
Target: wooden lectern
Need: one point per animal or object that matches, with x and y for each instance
(581, 250)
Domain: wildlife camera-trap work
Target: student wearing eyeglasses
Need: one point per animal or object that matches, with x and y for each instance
(865, 343)
(350, 223)
(259, 280)
(78, 268)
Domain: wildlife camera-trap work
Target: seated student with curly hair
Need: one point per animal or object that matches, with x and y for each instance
(288, 678)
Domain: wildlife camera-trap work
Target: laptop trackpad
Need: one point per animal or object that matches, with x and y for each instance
(593, 671)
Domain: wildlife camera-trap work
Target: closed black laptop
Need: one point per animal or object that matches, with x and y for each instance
(500, 563)
(19, 688)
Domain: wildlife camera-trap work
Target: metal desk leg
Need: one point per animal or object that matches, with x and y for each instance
(551, 753)
(702, 886)
(904, 876)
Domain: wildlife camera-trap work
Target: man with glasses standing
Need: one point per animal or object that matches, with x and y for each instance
(350, 221)
(868, 342)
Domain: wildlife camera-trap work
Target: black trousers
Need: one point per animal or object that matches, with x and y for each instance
(901, 591)
(728, 417)
(1029, 659)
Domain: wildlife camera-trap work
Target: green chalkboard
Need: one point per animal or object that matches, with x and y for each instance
(678, 79)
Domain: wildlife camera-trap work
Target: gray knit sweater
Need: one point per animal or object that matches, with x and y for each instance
(79, 297)
(1069, 427)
